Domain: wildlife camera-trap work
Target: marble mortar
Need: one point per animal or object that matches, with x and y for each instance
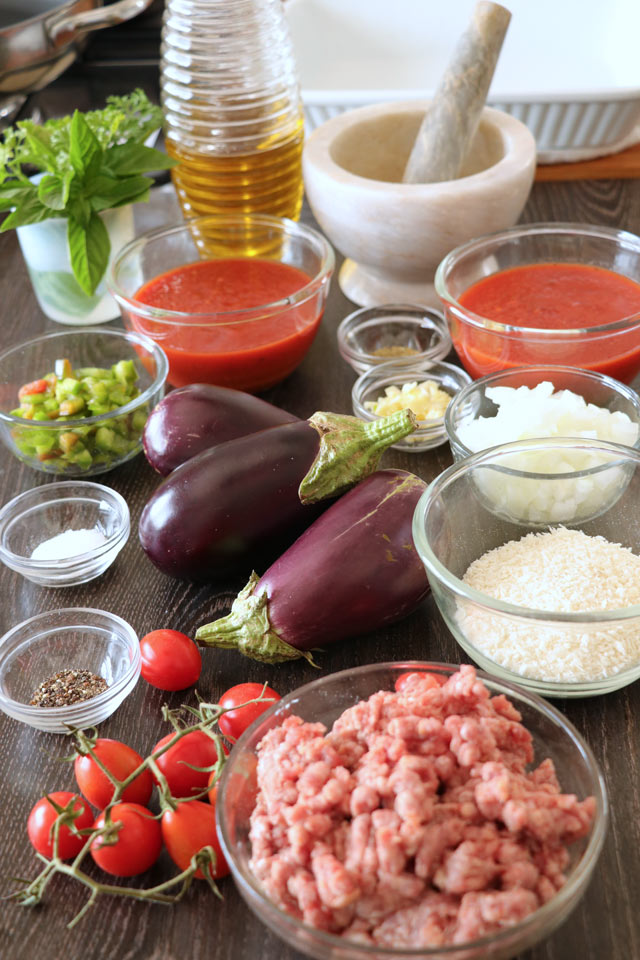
(394, 234)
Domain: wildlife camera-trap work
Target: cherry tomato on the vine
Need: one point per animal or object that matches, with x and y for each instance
(187, 830)
(434, 679)
(42, 818)
(195, 749)
(121, 760)
(138, 843)
(170, 660)
(234, 723)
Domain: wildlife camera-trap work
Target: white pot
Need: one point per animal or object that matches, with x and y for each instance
(44, 248)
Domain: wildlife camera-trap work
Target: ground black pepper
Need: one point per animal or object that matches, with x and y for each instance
(66, 687)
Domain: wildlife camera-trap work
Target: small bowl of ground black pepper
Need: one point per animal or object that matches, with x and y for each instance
(67, 668)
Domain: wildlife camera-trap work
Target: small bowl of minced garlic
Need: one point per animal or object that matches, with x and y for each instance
(424, 388)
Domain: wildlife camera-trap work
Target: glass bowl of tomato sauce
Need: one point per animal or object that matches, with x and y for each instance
(233, 300)
(553, 293)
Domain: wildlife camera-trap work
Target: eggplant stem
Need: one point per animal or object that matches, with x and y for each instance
(350, 450)
(248, 630)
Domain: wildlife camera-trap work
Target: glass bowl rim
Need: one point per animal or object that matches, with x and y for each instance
(468, 391)
(547, 910)
(461, 589)
(117, 503)
(156, 351)
(286, 226)
(350, 324)
(69, 710)
(625, 324)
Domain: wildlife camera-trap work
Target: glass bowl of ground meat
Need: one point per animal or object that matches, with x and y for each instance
(71, 667)
(411, 810)
(546, 595)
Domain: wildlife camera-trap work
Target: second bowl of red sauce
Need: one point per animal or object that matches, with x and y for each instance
(233, 300)
(559, 293)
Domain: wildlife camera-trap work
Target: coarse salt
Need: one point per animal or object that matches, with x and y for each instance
(560, 570)
(69, 543)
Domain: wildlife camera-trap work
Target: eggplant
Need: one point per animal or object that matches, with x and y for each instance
(248, 497)
(354, 570)
(192, 419)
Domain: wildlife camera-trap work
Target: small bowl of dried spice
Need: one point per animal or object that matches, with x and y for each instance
(63, 534)
(404, 333)
(67, 668)
(425, 388)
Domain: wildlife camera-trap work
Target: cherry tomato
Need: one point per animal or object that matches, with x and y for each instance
(195, 749)
(138, 843)
(235, 722)
(188, 829)
(170, 660)
(42, 818)
(120, 760)
(434, 679)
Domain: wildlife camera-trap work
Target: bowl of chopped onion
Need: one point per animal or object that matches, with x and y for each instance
(544, 402)
(426, 388)
(552, 604)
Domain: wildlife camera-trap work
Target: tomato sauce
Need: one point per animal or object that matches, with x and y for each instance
(551, 296)
(250, 352)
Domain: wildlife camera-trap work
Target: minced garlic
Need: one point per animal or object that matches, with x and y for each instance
(427, 400)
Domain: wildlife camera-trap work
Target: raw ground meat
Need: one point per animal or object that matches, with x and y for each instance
(414, 821)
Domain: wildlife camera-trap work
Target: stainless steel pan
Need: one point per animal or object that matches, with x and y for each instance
(39, 39)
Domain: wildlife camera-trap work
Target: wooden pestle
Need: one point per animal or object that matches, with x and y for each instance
(454, 113)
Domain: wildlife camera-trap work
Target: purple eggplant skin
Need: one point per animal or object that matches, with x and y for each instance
(235, 499)
(354, 570)
(194, 418)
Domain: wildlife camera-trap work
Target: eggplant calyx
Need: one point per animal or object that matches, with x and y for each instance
(248, 630)
(350, 449)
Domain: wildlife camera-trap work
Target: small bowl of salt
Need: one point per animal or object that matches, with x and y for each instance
(63, 534)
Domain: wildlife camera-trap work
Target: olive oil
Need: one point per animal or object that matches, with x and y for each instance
(266, 180)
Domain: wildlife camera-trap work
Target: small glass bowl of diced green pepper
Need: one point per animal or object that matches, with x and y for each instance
(85, 412)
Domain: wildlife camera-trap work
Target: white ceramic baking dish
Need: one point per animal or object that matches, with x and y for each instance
(568, 68)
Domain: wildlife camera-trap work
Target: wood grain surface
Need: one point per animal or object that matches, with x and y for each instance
(604, 926)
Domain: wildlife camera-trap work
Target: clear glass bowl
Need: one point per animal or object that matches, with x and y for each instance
(461, 516)
(472, 401)
(84, 348)
(485, 346)
(52, 509)
(374, 335)
(72, 638)
(323, 701)
(370, 386)
(211, 347)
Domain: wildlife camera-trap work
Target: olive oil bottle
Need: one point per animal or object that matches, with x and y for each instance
(233, 115)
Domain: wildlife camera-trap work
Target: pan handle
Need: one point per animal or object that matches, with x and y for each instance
(74, 24)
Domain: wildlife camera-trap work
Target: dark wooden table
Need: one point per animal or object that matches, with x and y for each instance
(605, 925)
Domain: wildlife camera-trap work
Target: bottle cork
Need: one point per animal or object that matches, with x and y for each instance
(452, 119)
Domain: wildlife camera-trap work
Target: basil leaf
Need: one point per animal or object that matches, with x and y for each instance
(85, 151)
(51, 192)
(38, 152)
(129, 158)
(139, 197)
(79, 208)
(30, 210)
(12, 194)
(89, 249)
(110, 192)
